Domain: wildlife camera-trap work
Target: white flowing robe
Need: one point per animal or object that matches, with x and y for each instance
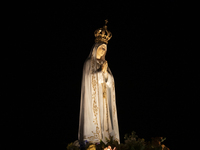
(98, 114)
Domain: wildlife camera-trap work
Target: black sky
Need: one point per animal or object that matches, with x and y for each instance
(51, 42)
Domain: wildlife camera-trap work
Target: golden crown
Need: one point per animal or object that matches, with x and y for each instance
(102, 35)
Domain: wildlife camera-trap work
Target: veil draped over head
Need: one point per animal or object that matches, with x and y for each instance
(98, 115)
(92, 55)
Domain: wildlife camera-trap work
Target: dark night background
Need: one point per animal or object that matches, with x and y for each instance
(51, 42)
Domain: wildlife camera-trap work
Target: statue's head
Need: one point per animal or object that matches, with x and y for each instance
(102, 36)
(101, 51)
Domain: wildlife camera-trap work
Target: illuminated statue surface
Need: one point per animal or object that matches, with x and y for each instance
(98, 113)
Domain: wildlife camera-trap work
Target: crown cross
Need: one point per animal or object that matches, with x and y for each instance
(106, 21)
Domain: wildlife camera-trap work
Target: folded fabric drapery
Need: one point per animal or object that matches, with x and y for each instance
(98, 113)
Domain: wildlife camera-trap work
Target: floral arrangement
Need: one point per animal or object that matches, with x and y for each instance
(132, 142)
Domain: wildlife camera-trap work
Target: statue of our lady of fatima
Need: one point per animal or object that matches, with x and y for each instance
(98, 113)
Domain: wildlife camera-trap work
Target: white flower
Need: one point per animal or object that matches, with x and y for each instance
(76, 143)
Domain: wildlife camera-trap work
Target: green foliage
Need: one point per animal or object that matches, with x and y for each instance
(132, 142)
(100, 146)
(73, 146)
(113, 143)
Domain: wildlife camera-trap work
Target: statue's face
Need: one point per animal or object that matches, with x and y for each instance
(101, 50)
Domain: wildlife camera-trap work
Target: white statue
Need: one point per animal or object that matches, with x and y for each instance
(98, 113)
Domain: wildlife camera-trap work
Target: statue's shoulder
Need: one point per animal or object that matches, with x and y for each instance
(87, 62)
